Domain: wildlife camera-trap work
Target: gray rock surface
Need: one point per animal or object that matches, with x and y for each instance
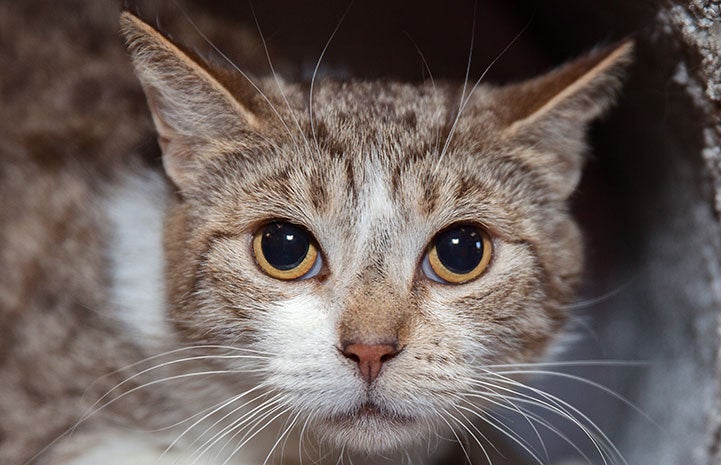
(697, 25)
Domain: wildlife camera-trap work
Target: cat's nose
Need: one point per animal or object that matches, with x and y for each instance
(370, 357)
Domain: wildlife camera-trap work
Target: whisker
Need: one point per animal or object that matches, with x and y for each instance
(458, 439)
(593, 301)
(245, 441)
(340, 456)
(241, 72)
(463, 91)
(275, 77)
(513, 408)
(504, 429)
(208, 415)
(286, 430)
(475, 438)
(470, 56)
(232, 426)
(301, 447)
(315, 72)
(187, 419)
(287, 438)
(473, 89)
(501, 427)
(172, 352)
(433, 82)
(593, 438)
(605, 441)
(588, 382)
(90, 412)
(532, 416)
(561, 408)
(93, 411)
(571, 363)
(247, 430)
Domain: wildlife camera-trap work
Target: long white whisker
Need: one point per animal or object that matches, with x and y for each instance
(275, 77)
(187, 419)
(241, 72)
(248, 429)
(92, 412)
(433, 81)
(554, 399)
(595, 300)
(315, 72)
(506, 431)
(340, 456)
(561, 408)
(287, 438)
(268, 423)
(300, 439)
(588, 382)
(592, 436)
(218, 407)
(508, 404)
(473, 89)
(458, 439)
(470, 57)
(172, 352)
(475, 438)
(88, 413)
(234, 425)
(513, 407)
(423, 59)
(286, 430)
(463, 91)
(571, 363)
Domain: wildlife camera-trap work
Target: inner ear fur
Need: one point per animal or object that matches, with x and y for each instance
(547, 117)
(191, 107)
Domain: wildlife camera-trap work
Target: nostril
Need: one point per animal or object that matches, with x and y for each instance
(370, 357)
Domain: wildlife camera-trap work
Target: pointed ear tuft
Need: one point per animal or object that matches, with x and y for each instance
(551, 112)
(189, 105)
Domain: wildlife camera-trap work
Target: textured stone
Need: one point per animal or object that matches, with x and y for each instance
(696, 25)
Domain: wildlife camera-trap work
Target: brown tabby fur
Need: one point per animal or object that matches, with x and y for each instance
(373, 175)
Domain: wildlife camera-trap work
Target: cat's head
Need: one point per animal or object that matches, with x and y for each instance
(384, 244)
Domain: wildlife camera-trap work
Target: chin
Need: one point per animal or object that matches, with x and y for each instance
(372, 431)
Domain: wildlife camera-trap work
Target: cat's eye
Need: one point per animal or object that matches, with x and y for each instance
(286, 251)
(458, 254)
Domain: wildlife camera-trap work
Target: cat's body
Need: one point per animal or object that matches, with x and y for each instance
(137, 305)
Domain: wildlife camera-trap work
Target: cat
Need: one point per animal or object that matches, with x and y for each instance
(331, 271)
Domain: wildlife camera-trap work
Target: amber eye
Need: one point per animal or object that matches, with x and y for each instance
(458, 254)
(286, 251)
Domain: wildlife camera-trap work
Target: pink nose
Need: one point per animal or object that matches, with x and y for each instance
(370, 358)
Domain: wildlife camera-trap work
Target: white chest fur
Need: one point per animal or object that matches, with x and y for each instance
(136, 209)
(118, 448)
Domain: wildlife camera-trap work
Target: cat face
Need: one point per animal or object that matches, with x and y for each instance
(384, 247)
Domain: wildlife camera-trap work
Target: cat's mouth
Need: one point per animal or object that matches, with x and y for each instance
(371, 427)
(371, 411)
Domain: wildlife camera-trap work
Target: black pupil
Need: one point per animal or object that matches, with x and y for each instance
(284, 245)
(460, 249)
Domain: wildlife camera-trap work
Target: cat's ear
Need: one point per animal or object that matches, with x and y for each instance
(551, 113)
(191, 108)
